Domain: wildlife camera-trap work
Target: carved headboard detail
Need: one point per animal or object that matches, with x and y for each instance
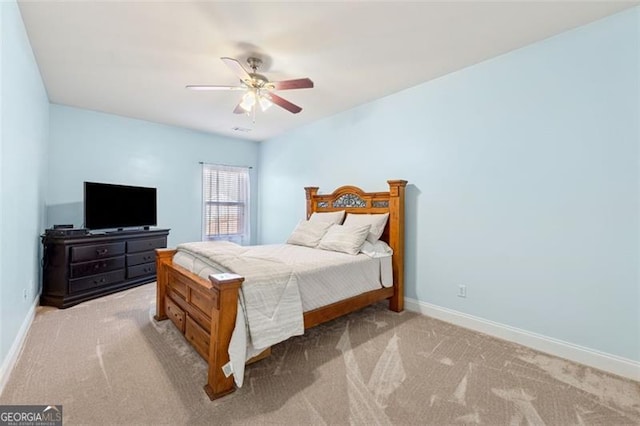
(352, 199)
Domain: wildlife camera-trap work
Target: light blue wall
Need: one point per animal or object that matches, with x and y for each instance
(5, 343)
(637, 293)
(524, 182)
(24, 124)
(92, 146)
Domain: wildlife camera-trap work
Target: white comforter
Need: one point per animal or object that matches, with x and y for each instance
(271, 307)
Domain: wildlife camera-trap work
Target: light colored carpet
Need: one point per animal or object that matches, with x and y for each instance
(107, 362)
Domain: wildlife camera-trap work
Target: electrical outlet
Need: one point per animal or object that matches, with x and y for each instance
(462, 291)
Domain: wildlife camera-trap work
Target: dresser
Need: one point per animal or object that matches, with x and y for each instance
(80, 268)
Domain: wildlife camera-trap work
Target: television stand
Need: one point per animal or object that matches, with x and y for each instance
(85, 267)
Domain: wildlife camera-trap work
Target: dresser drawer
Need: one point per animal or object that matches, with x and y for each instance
(146, 244)
(175, 314)
(96, 281)
(97, 251)
(140, 270)
(140, 258)
(198, 337)
(77, 270)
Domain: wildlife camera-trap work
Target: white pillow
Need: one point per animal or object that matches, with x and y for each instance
(308, 234)
(331, 217)
(377, 222)
(345, 239)
(377, 249)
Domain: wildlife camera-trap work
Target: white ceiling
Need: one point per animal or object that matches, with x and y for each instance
(133, 58)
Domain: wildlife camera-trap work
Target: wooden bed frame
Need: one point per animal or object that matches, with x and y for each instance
(205, 310)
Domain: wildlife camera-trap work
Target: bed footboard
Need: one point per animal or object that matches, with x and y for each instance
(204, 311)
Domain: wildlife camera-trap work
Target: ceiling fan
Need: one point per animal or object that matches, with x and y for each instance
(258, 89)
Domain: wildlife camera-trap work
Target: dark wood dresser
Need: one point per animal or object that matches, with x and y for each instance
(79, 268)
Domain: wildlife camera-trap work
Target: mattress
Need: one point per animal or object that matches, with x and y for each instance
(324, 277)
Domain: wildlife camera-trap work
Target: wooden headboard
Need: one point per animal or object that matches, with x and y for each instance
(354, 200)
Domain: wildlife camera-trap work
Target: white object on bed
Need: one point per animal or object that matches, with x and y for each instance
(346, 239)
(308, 233)
(377, 222)
(331, 217)
(381, 250)
(377, 249)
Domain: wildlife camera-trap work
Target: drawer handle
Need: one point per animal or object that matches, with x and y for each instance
(100, 281)
(102, 252)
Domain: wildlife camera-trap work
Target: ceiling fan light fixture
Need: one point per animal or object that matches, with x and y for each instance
(265, 103)
(248, 101)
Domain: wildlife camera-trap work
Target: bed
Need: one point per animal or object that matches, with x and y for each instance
(207, 310)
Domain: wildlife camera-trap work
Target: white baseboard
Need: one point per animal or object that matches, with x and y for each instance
(14, 352)
(603, 361)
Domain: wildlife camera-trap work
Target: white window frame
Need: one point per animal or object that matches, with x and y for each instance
(237, 181)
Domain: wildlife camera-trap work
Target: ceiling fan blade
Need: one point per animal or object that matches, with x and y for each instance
(205, 87)
(281, 102)
(239, 110)
(237, 69)
(300, 83)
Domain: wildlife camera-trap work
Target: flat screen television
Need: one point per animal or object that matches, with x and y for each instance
(118, 206)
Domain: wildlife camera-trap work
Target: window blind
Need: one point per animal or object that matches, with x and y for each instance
(225, 193)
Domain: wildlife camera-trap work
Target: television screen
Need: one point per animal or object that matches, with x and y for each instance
(118, 206)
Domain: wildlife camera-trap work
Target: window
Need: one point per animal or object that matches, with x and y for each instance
(225, 206)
